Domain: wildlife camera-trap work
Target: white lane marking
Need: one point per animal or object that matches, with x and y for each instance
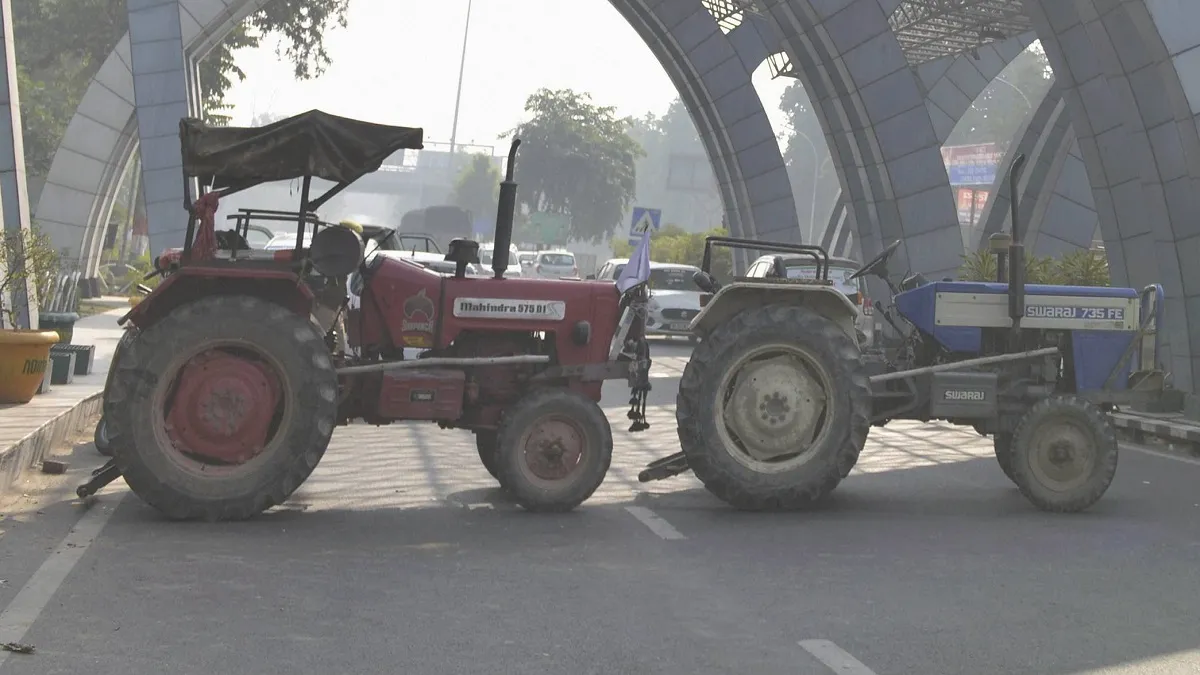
(655, 522)
(1160, 453)
(835, 657)
(33, 597)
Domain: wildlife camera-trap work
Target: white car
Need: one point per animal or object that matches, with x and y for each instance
(514, 270)
(555, 265)
(283, 241)
(840, 271)
(674, 296)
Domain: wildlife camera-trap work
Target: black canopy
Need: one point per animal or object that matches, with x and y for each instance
(314, 143)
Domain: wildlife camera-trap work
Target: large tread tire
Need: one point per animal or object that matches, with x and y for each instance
(1002, 446)
(485, 444)
(596, 457)
(269, 479)
(833, 457)
(1099, 433)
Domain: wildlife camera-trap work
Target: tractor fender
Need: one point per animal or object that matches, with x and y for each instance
(187, 284)
(732, 299)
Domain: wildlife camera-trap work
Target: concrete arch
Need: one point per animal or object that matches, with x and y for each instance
(712, 71)
(1056, 201)
(1118, 65)
(952, 83)
(872, 107)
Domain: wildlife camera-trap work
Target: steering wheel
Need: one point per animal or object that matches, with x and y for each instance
(878, 263)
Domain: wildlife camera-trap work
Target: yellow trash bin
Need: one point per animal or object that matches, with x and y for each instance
(24, 358)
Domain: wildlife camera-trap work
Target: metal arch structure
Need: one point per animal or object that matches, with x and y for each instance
(933, 29)
(1121, 66)
(709, 54)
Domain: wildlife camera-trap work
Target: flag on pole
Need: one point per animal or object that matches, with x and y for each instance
(637, 270)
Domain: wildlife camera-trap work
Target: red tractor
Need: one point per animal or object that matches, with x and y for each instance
(235, 370)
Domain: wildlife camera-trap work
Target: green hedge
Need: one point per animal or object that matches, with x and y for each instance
(1079, 268)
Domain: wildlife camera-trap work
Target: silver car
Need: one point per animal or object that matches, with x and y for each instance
(555, 265)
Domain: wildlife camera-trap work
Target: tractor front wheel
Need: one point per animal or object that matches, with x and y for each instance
(485, 443)
(553, 449)
(1064, 454)
(221, 409)
(773, 408)
(100, 438)
(1002, 445)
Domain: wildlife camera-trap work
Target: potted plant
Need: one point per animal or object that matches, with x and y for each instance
(25, 258)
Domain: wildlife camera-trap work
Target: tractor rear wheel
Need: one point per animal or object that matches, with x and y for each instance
(773, 408)
(1002, 445)
(1064, 454)
(553, 450)
(222, 409)
(485, 443)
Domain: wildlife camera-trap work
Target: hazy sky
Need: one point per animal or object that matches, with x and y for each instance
(398, 60)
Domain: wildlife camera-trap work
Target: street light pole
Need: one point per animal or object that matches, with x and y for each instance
(462, 66)
(812, 210)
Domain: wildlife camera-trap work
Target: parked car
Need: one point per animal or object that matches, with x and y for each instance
(555, 265)
(674, 296)
(840, 271)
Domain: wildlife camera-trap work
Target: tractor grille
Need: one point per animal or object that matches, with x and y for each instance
(679, 314)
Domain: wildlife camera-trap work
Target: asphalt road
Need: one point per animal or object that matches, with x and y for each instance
(401, 556)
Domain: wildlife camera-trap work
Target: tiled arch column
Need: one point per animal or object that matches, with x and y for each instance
(715, 68)
(949, 86)
(1056, 208)
(872, 107)
(713, 73)
(1119, 66)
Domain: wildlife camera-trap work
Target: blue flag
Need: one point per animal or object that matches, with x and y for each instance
(637, 271)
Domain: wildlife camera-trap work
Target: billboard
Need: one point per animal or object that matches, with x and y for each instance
(972, 164)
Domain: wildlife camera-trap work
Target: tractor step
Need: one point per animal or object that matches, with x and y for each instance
(100, 477)
(664, 468)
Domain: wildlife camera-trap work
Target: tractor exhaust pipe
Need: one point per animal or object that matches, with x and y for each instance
(1016, 253)
(506, 212)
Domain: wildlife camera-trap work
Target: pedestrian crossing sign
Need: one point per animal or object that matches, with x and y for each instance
(645, 222)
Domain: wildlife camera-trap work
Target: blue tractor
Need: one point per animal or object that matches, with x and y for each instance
(777, 400)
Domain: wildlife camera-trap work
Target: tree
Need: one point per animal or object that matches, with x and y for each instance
(808, 161)
(61, 44)
(577, 160)
(301, 23)
(665, 177)
(478, 187)
(997, 113)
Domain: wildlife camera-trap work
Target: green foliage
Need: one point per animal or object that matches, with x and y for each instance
(27, 256)
(478, 187)
(673, 244)
(61, 44)
(301, 24)
(1084, 268)
(1078, 268)
(577, 159)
